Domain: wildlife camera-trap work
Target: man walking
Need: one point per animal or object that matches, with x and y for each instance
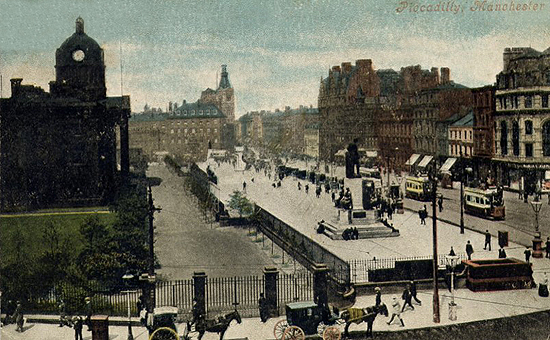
(469, 250)
(548, 245)
(487, 240)
(244, 187)
(378, 301)
(62, 313)
(396, 311)
(407, 297)
(440, 203)
(413, 292)
(88, 309)
(18, 317)
(77, 321)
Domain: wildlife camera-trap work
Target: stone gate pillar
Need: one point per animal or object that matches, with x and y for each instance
(199, 290)
(271, 275)
(320, 284)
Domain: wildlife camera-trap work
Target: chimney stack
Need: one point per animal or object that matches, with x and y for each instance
(15, 85)
(445, 75)
(364, 63)
(346, 68)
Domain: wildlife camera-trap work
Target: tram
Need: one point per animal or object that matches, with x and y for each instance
(418, 188)
(487, 203)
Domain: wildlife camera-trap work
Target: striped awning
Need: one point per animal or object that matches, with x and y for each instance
(413, 159)
(425, 161)
(448, 164)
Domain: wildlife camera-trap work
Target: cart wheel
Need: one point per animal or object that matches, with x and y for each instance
(294, 333)
(164, 333)
(279, 329)
(332, 333)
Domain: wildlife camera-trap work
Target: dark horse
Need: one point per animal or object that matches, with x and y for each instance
(218, 325)
(358, 315)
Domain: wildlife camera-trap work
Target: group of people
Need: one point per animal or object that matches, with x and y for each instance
(350, 233)
(14, 314)
(408, 295)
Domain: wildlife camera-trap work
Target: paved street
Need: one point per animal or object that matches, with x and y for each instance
(186, 243)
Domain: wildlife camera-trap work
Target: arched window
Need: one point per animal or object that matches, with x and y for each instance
(515, 138)
(528, 127)
(546, 139)
(503, 138)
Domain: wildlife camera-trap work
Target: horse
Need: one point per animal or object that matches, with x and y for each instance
(218, 325)
(359, 315)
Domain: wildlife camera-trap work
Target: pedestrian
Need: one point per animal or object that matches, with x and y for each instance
(318, 191)
(469, 250)
(77, 325)
(440, 203)
(262, 305)
(543, 286)
(307, 188)
(452, 252)
(333, 196)
(62, 313)
(299, 186)
(501, 253)
(407, 297)
(356, 233)
(88, 309)
(487, 240)
(378, 299)
(421, 215)
(18, 317)
(548, 247)
(396, 311)
(390, 212)
(244, 187)
(527, 253)
(413, 292)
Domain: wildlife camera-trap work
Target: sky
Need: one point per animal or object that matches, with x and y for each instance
(276, 51)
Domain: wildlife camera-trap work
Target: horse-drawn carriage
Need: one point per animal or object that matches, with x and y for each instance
(308, 318)
(162, 325)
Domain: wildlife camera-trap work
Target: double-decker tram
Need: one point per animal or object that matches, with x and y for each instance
(418, 188)
(487, 203)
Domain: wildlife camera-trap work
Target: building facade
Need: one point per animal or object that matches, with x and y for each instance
(483, 105)
(461, 137)
(60, 148)
(522, 119)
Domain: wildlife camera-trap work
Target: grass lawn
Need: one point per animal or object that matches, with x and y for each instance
(30, 227)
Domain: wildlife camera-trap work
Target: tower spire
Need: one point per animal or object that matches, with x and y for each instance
(79, 25)
(224, 80)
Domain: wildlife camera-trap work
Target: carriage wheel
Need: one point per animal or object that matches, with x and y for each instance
(332, 333)
(164, 333)
(279, 329)
(294, 333)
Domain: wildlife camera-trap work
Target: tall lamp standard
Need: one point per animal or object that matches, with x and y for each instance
(452, 262)
(127, 277)
(537, 241)
(433, 178)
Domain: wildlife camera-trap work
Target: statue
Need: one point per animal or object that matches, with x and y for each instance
(352, 160)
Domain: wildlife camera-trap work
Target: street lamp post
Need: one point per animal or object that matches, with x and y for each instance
(127, 277)
(452, 261)
(537, 241)
(436, 315)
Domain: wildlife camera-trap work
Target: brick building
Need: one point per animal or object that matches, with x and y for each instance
(188, 130)
(483, 104)
(60, 148)
(461, 137)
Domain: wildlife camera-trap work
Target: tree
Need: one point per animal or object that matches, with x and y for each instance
(240, 203)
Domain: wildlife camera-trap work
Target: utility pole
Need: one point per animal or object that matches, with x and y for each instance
(151, 211)
(436, 316)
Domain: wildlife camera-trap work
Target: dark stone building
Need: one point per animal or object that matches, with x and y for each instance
(484, 130)
(60, 148)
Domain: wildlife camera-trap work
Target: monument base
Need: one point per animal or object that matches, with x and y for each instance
(336, 230)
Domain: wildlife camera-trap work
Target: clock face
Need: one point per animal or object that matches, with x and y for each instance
(78, 55)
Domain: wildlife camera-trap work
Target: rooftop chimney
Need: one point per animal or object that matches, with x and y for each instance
(15, 85)
(445, 75)
(346, 68)
(79, 25)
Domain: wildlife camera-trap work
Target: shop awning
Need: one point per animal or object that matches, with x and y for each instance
(413, 159)
(372, 154)
(448, 164)
(425, 161)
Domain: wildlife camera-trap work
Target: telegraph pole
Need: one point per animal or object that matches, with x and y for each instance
(436, 316)
(151, 211)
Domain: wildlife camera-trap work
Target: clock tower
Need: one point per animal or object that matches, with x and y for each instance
(79, 67)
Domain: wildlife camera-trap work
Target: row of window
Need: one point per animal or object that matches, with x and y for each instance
(180, 141)
(192, 130)
(456, 149)
(193, 112)
(204, 123)
(454, 134)
(513, 101)
(516, 142)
